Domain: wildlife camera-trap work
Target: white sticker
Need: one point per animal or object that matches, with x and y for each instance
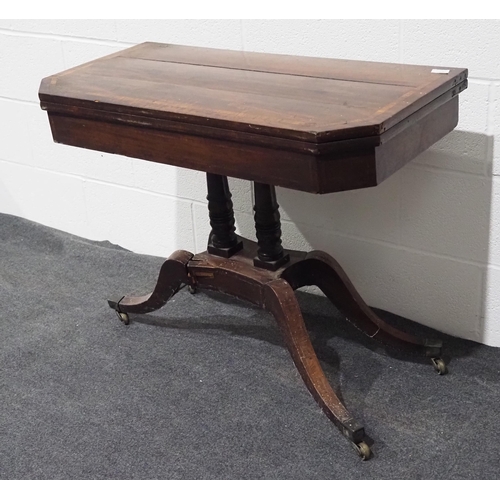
(440, 71)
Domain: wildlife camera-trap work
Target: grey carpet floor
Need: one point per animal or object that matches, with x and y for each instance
(205, 389)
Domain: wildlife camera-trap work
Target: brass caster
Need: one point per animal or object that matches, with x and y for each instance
(439, 366)
(191, 289)
(363, 450)
(123, 317)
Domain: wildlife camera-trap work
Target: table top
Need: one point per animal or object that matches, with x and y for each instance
(317, 107)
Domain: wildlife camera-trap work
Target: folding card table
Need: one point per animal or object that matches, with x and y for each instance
(308, 124)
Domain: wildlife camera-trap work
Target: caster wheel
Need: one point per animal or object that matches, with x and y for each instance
(123, 317)
(439, 366)
(191, 289)
(363, 450)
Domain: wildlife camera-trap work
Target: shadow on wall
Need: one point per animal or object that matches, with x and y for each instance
(416, 245)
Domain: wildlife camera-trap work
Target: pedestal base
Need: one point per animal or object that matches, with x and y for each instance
(273, 290)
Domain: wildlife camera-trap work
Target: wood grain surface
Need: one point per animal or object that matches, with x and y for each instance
(313, 124)
(314, 99)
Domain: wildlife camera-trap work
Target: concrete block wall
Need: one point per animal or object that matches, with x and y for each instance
(425, 244)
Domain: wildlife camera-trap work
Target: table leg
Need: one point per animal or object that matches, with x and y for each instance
(270, 254)
(267, 276)
(320, 269)
(264, 288)
(281, 301)
(173, 274)
(223, 240)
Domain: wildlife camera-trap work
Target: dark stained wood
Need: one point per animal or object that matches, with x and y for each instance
(339, 171)
(320, 269)
(280, 168)
(172, 275)
(274, 94)
(273, 290)
(412, 141)
(268, 228)
(303, 269)
(313, 124)
(159, 89)
(222, 240)
(315, 67)
(351, 165)
(310, 124)
(280, 300)
(237, 276)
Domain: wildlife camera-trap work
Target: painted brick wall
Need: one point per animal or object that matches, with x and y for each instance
(425, 244)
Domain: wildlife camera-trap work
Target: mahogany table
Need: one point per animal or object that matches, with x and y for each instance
(309, 124)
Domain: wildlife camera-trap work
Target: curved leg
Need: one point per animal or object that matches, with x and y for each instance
(280, 299)
(319, 268)
(173, 274)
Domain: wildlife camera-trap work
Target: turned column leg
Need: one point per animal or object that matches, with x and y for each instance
(268, 228)
(223, 240)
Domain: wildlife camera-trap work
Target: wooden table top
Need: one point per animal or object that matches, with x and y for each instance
(320, 109)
